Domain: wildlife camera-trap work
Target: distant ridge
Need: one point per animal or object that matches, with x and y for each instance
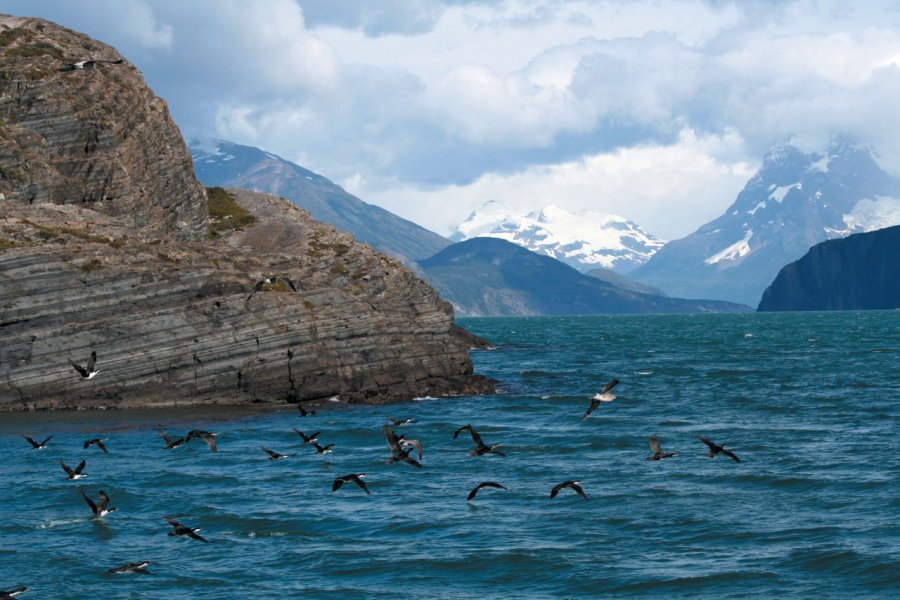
(859, 272)
(493, 277)
(226, 164)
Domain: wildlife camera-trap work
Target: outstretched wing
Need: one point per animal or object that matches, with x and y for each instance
(290, 283)
(415, 444)
(730, 455)
(461, 429)
(90, 503)
(79, 468)
(558, 487)
(81, 370)
(609, 386)
(67, 469)
(712, 445)
(594, 404)
(90, 364)
(361, 483)
(475, 437)
(392, 440)
(654, 445)
(578, 489)
(102, 500)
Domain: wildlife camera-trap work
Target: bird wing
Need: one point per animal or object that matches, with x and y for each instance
(102, 446)
(558, 487)
(712, 445)
(337, 484)
(408, 459)
(102, 500)
(269, 452)
(475, 437)
(391, 438)
(463, 428)
(193, 534)
(361, 483)
(474, 492)
(730, 455)
(81, 370)
(44, 443)
(416, 444)
(166, 438)
(90, 503)
(174, 523)
(90, 364)
(654, 445)
(594, 404)
(290, 283)
(33, 443)
(80, 467)
(609, 386)
(578, 489)
(67, 469)
(210, 441)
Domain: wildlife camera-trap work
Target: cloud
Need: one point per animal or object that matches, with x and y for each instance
(375, 19)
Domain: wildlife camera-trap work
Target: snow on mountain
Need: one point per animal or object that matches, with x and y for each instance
(796, 200)
(585, 240)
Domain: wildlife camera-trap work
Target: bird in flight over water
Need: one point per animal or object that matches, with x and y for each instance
(605, 395)
(716, 449)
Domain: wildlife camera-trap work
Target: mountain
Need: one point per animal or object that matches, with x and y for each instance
(491, 277)
(861, 271)
(585, 240)
(796, 200)
(221, 163)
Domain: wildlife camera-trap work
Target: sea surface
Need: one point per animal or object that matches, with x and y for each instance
(809, 402)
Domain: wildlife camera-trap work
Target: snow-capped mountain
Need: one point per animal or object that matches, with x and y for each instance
(796, 200)
(585, 240)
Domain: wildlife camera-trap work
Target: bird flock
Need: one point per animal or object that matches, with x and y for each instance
(400, 446)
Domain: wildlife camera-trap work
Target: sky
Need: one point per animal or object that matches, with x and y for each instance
(655, 110)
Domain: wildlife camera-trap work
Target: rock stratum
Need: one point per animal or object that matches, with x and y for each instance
(107, 246)
(95, 137)
(859, 272)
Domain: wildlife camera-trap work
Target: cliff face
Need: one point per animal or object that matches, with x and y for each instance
(861, 271)
(95, 137)
(104, 248)
(172, 324)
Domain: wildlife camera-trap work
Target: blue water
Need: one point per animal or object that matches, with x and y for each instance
(810, 402)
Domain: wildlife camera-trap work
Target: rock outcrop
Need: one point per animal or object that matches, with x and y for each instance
(95, 137)
(861, 271)
(107, 246)
(173, 322)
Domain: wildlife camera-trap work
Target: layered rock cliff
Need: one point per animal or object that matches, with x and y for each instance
(107, 246)
(861, 271)
(93, 136)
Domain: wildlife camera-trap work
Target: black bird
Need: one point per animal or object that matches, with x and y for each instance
(568, 484)
(658, 453)
(35, 445)
(88, 64)
(13, 593)
(96, 442)
(206, 436)
(304, 412)
(323, 449)
(75, 473)
(356, 478)
(483, 484)
(138, 567)
(180, 529)
(398, 454)
(308, 439)
(272, 454)
(271, 281)
(101, 508)
(480, 447)
(398, 422)
(170, 443)
(87, 371)
(715, 449)
(605, 395)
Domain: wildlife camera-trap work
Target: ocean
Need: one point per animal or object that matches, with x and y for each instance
(810, 402)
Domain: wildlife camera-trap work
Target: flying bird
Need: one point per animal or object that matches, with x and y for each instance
(170, 443)
(414, 443)
(480, 447)
(272, 454)
(13, 593)
(398, 422)
(206, 436)
(308, 439)
(180, 529)
(323, 449)
(138, 567)
(75, 473)
(271, 281)
(658, 453)
(398, 454)
(96, 442)
(87, 371)
(483, 484)
(605, 395)
(304, 412)
(35, 445)
(715, 449)
(356, 478)
(88, 64)
(101, 508)
(574, 485)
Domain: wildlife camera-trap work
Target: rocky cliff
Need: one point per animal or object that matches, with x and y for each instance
(861, 271)
(93, 136)
(107, 245)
